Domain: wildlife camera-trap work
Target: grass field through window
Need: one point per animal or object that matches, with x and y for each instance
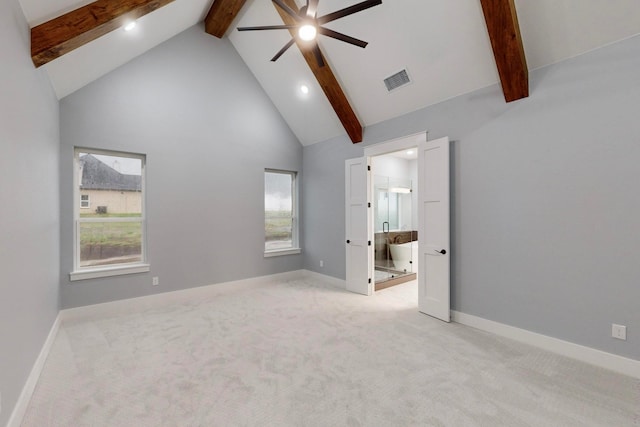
(103, 243)
(278, 227)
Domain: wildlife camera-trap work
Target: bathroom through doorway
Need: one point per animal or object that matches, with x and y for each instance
(395, 217)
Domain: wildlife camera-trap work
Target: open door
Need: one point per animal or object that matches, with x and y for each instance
(433, 228)
(358, 255)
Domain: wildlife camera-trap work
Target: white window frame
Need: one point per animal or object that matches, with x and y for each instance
(82, 273)
(295, 247)
(88, 201)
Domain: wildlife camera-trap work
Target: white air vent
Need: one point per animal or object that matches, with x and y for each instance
(400, 78)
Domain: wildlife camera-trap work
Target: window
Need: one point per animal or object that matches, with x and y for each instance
(109, 236)
(280, 216)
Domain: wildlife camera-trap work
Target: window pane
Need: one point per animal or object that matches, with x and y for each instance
(278, 232)
(103, 243)
(278, 207)
(112, 183)
(110, 221)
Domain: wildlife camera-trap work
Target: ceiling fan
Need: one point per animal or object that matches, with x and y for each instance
(308, 25)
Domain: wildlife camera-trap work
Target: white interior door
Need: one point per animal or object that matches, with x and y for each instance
(358, 262)
(433, 228)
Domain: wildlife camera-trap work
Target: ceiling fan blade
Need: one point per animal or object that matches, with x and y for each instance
(267, 27)
(342, 37)
(283, 50)
(318, 55)
(348, 11)
(312, 8)
(287, 9)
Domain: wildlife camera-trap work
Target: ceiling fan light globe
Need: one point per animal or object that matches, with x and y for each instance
(307, 32)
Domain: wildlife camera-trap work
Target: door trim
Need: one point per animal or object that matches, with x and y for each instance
(395, 144)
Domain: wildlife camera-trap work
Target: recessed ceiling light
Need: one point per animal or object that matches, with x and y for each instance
(307, 32)
(410, 152)
(130, 26)
(304, 89)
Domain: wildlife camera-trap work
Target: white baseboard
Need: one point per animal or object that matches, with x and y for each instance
(582, 353)
(170, 297)
(337, 283)
(160, 299)
(20, 409)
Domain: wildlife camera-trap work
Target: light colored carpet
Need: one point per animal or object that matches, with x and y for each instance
(299, 352)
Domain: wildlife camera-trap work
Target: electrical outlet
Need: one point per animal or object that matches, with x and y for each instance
(155, 281)
(321, 263)
(619, 332)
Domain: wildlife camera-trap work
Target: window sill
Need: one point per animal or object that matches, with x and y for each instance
(281, 252)
(94, 273)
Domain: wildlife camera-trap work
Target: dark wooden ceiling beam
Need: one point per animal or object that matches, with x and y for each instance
(221, 15)
(65, 33)
(504, 32)
(327, 81)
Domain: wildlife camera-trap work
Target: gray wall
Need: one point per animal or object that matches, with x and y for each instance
(209, 131)
(545, 205)
(29, 232)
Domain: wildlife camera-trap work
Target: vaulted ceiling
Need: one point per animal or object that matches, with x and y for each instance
(447, 48)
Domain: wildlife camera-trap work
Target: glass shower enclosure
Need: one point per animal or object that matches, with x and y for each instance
(393, 228)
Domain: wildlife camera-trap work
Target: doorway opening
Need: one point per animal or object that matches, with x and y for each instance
(395, 217)
(434, 253)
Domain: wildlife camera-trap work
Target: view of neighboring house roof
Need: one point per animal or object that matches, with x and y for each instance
(97, 175)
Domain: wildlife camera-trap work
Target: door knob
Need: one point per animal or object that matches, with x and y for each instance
(442, 251)
(348, 241)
